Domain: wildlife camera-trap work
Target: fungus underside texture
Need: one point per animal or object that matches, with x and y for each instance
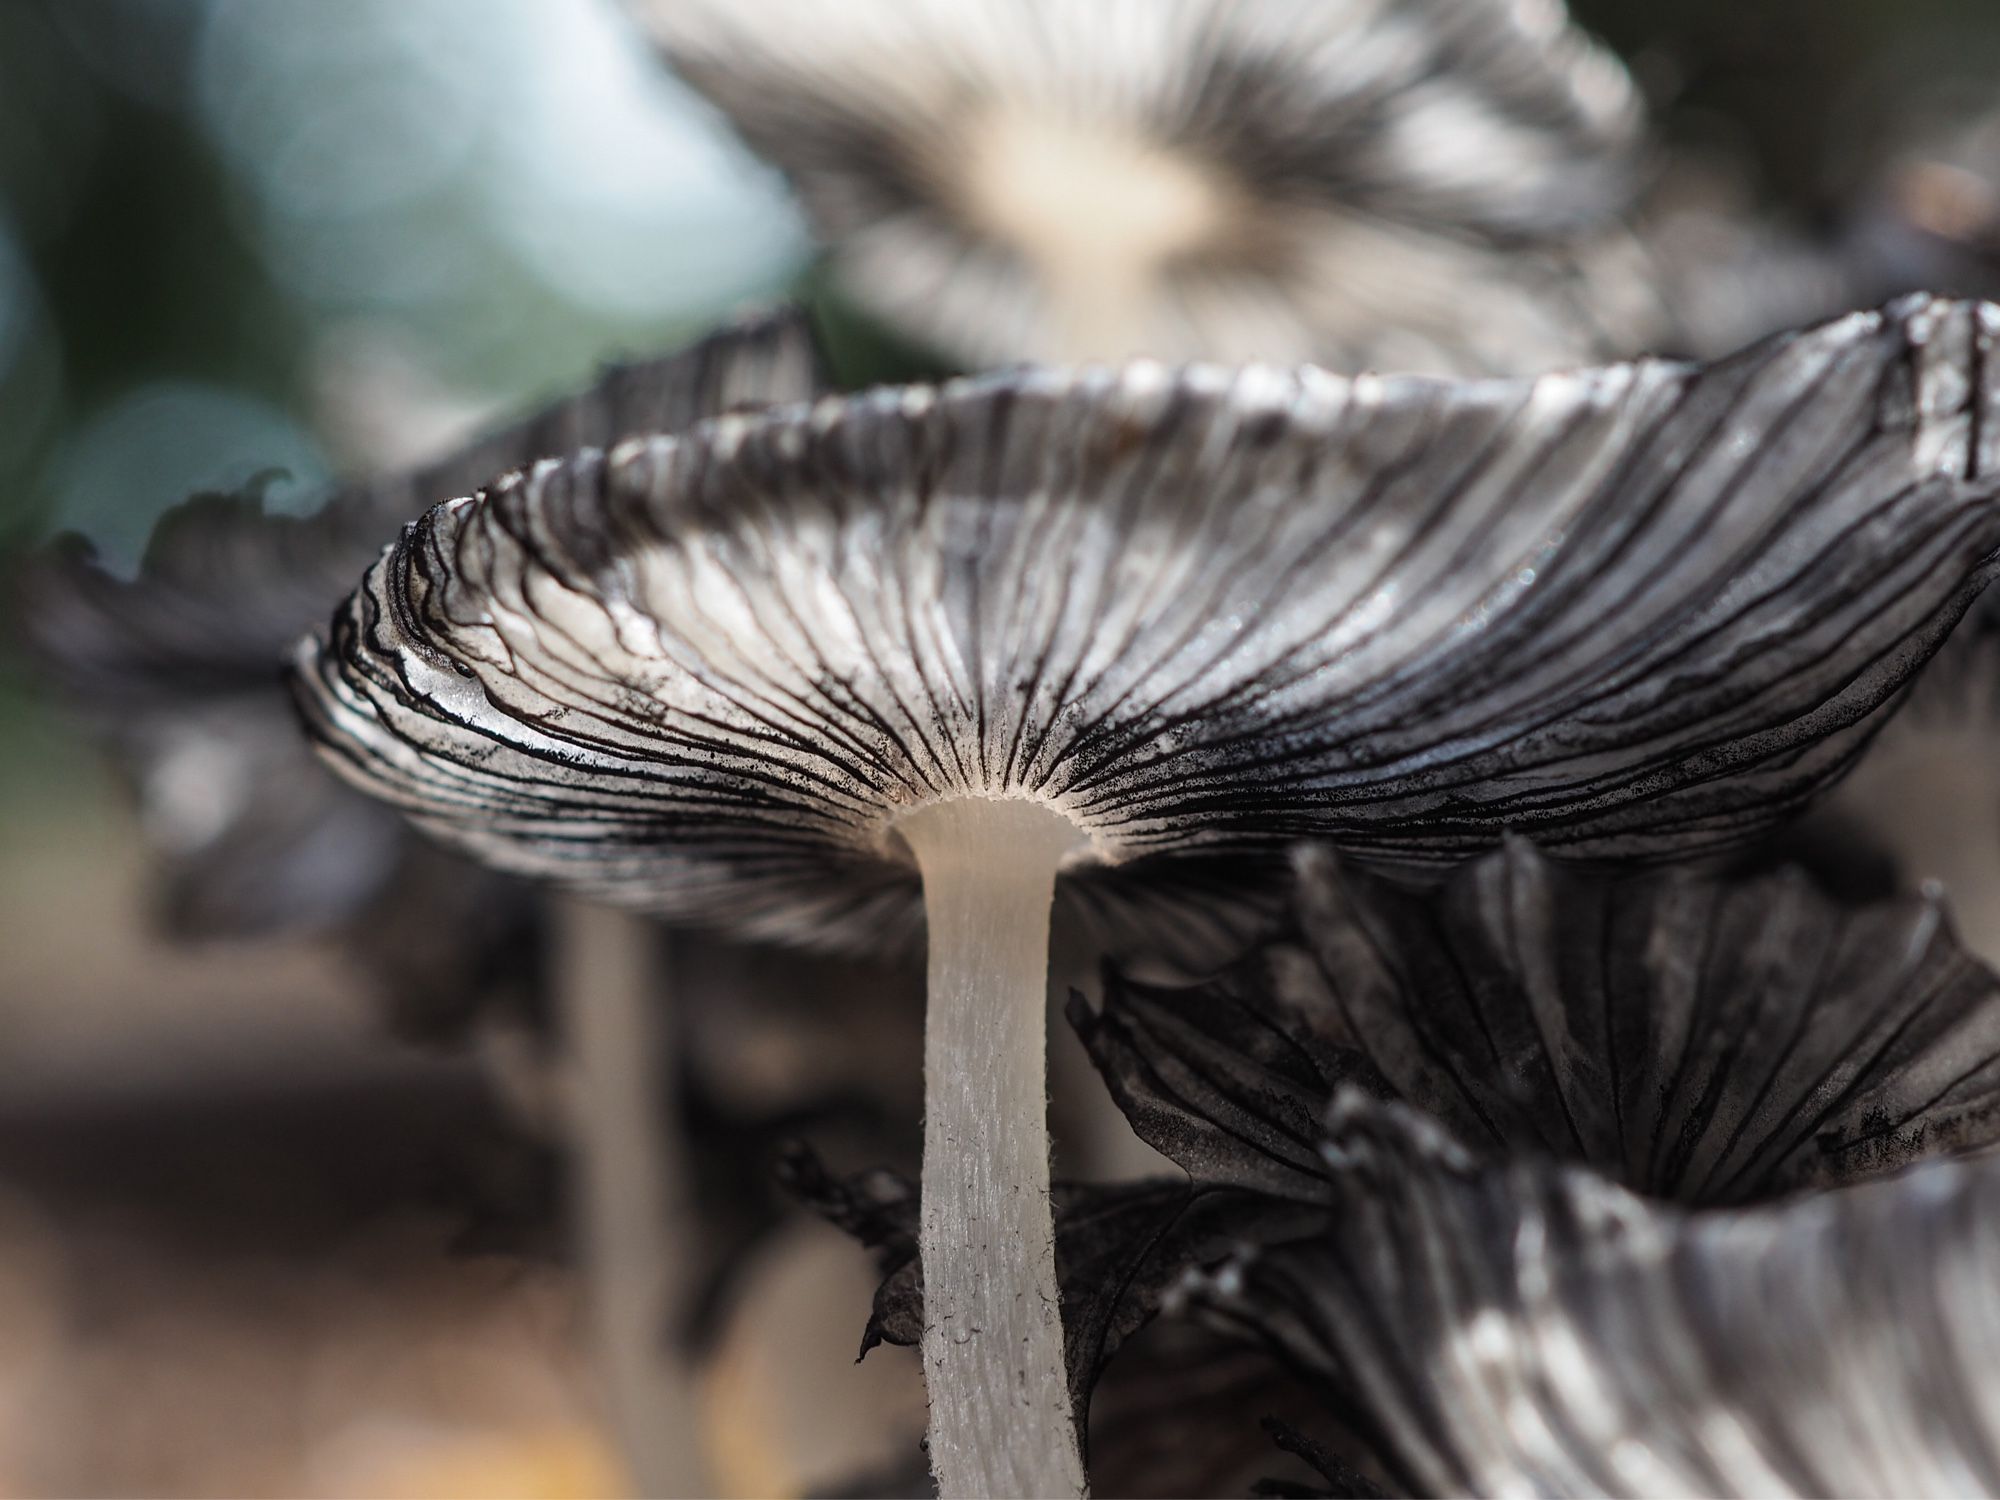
(1642, 612)
(1701, 1039)
(1540, 1330)
(1639, 612)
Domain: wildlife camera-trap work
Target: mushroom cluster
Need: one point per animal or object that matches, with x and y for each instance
(795, 673)
(1418, 736)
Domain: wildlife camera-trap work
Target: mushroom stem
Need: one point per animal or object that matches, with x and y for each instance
(1000, 1417)
(631, 1183)
(1098, 312)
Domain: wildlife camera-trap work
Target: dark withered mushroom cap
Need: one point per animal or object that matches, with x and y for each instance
(1709, 1041)
(1371, 185)
(1638, 612)
(179, 670)
(1702, 1039)
(1529, 1328)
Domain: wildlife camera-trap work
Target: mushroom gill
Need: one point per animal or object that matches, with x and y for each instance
(1542, 1330)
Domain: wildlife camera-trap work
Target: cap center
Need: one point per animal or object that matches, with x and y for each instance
(1098, 210)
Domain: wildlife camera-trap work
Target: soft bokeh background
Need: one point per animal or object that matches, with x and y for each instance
(245, 235)
(240, 1235)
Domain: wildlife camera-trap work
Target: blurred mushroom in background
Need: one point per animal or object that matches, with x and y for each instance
(178, 670)
(1379, 184)
(1417, 186)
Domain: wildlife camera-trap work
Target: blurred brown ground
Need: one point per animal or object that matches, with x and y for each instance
(241, 1233)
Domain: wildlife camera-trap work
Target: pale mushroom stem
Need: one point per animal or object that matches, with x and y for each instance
(1000, 1420)
(631, 1186)
(1099, 311)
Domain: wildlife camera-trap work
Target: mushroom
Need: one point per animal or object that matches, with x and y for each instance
(1704, 1039)
(1214, 179)
(177, 671)
(1709, 1040)
(795, 673)
(1541, 1330)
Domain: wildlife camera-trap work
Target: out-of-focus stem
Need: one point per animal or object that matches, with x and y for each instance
(631, 1187)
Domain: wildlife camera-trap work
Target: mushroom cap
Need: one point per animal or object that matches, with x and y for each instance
(179, 670)
(1639, 612)
(1540, 1330)
(1700, 1039)
(1362, 182)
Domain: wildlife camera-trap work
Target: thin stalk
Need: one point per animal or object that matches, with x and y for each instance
(632, 1187)
(1000, 1420)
